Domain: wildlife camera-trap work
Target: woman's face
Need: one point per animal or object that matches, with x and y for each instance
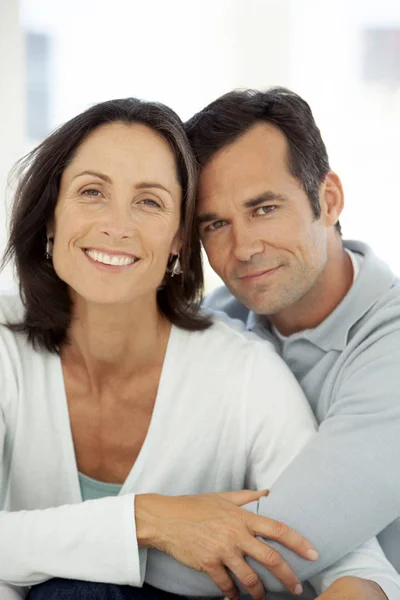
(118, 215)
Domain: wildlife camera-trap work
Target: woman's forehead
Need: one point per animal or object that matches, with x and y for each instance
(131, 149)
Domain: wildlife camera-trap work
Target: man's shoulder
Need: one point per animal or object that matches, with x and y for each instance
(221, 300)
(384, 315)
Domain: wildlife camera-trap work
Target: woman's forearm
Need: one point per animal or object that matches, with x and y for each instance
(93, 541)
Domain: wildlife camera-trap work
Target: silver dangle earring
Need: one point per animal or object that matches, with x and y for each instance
(49, 248)
(176, 268)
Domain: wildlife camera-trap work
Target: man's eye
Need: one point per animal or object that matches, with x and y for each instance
(214, 226)
(265, 210)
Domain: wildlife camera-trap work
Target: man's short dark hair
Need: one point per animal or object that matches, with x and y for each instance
(45, 295)
(233, 114)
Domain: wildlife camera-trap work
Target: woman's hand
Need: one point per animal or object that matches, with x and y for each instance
(211, 533)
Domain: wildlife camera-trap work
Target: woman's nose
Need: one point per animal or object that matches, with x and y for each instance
(117, 223)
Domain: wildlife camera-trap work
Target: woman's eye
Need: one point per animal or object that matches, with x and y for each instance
(92, 193)
(150, 202)
(264, 210)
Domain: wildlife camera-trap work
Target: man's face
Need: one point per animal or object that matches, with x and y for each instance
(257, 225)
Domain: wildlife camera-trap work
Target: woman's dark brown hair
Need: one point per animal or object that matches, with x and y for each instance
(45, 296)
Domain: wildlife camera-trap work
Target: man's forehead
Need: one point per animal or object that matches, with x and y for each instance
(262, 148)
(260, 137)
(251, 165)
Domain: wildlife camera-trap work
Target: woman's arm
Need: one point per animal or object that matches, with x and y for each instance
(343, 487)
(94, 541)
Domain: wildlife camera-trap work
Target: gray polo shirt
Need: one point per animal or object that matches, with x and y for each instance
(344, 487)
(349, 369)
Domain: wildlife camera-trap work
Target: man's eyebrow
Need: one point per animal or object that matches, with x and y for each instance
(207, 217)
(253, 202)
(140, 186)
(264, 197)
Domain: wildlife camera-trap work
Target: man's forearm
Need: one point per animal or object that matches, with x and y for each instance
(353, 588)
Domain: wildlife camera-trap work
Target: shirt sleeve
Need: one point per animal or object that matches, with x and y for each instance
(343, 488)
(12, 592)
(93, 540)
(367, 562)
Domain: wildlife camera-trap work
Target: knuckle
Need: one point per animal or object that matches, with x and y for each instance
(250, 579)
(231, 533)
(280, 530)
(273, 558)
(210, 563)
(228, 589)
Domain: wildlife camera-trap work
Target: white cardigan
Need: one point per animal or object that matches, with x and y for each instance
(228, 415)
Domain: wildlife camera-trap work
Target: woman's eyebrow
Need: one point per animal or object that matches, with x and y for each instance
(94, 174)
(139, 186)
(152, 184)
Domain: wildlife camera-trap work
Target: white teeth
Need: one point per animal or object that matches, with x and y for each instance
(106, 259)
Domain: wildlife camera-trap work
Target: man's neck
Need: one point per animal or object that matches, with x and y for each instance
(328, 291)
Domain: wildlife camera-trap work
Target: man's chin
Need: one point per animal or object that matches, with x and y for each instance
(259, 305)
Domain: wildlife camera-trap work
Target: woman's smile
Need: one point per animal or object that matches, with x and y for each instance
(110, 260)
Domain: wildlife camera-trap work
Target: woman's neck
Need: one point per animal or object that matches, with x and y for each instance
(116, 341)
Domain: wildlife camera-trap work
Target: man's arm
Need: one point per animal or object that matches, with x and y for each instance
(343, 488)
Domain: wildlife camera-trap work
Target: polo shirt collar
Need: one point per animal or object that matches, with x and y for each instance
(374, 279)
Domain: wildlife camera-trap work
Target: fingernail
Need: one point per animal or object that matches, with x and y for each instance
(312, 554)
(298, 589)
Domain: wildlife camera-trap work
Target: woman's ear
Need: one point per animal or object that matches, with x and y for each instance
(176, 245)
(331, 199)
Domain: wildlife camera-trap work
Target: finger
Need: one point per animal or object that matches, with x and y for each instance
(223, 581)
(271, 558)
(243, 496)
(280, 532)
(246, 577)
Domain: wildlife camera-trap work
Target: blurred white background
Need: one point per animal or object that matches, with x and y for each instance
(342, 56)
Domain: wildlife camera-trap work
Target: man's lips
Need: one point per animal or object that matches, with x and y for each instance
(259, 274)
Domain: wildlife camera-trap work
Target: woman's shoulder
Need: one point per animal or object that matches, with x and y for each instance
(15, 348)
(228, 340)
(11, 309)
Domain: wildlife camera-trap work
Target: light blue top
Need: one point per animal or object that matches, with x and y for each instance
(92, 489)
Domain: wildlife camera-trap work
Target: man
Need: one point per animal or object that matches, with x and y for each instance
(268, 213)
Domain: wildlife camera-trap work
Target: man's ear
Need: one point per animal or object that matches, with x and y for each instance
(331, 199)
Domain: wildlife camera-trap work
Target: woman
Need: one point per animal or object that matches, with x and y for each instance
(116, 388)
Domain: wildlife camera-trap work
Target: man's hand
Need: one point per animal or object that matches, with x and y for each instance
(353, 588)
(212, 534)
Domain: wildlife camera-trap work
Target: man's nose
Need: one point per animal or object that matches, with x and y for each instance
(246, 242)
